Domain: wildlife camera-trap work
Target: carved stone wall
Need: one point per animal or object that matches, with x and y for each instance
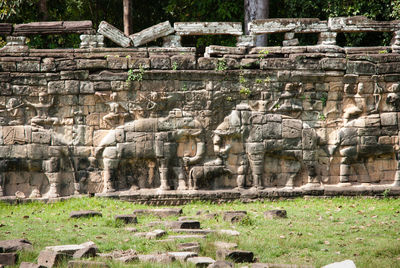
(104, 119)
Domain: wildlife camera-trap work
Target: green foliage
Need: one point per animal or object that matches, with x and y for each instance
(135, 76)
(245, 91)
(321, 117)
(324, 99)
(263, 53)
(185, 87)
(221, 65)
(174, 66)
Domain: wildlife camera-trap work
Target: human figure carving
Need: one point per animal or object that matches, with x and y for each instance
(358, 104)
(15, 112)
(112, 119)
(42, 111)
(378, 90)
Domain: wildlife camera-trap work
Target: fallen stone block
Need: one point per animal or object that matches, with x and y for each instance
(121, 255)
(183, 224)
(193, 231)
(201, 261)
(15, 245)
(175, 237)
(8, 258)
(342, 264)
(235, 255)
(29, 265)
(50, 258)
(157, 258)
(152, 33)
(190, 246)
(234, 216)
(303, 25)
(208, 28)
(114, 34)
(127, 219)
(278, 265)
(84, 214)
(155, 234)
(160, 212)
(223, 50)
(71, 249)
(87, 264)
(182, 256)
(85, 252)
(221, 264)
(275, 214)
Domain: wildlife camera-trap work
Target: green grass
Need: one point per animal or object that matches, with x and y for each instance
(317, 231)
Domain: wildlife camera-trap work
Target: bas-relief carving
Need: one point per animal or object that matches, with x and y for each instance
(261, 143)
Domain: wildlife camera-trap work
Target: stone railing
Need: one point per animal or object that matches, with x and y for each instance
(240, 121)
(327, 31)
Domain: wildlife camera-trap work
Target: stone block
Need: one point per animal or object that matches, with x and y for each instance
(70, 250)
(117, 63)
(56, 87)
(361, 68)
(190, 246)
(114, 34)
(8, 259)
(160, 212)
(29, 265)
(291, 128)
(208, 28)
(127, 219)
(87, 264)
(50, 258)
(85, 214)
(183, 224)
(182, 62)
(91, 40)
(182, 256)
(28, 66)
(246, 41)
(234, 216)
(224, 245)
(157, 258)
(207, 63)
(86, 87)
(160, 62)
(87, 252)
(201, 261)
(41, 137)
(91, 64)
(155, 234)
(272, 130)
(236, 256)
(221, 264)
(274, 214)
(388, 119)
(136, 63)
(7, 246)
(152, 33)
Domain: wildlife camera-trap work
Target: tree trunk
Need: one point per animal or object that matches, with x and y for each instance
(127, 17)
(43, 10)
(254, 10)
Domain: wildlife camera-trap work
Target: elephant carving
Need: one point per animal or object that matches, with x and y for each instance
(263, 133)
(366, 137)
(155, 139)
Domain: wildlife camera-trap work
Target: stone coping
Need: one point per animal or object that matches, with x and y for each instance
(157, 197)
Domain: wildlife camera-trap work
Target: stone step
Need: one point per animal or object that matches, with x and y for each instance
(190, 246)
(71, 249)
(157, 258)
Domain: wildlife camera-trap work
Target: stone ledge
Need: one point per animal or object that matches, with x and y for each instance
(156, 197)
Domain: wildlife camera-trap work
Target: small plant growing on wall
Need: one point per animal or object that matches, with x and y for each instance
(174, 66)
(221, 65)
(135, 76)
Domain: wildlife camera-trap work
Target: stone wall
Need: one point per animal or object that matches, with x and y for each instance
(103, 119)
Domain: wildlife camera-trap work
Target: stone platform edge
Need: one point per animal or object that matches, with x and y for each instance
(172, 198)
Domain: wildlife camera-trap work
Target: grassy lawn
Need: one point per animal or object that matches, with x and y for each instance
(317, 231)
